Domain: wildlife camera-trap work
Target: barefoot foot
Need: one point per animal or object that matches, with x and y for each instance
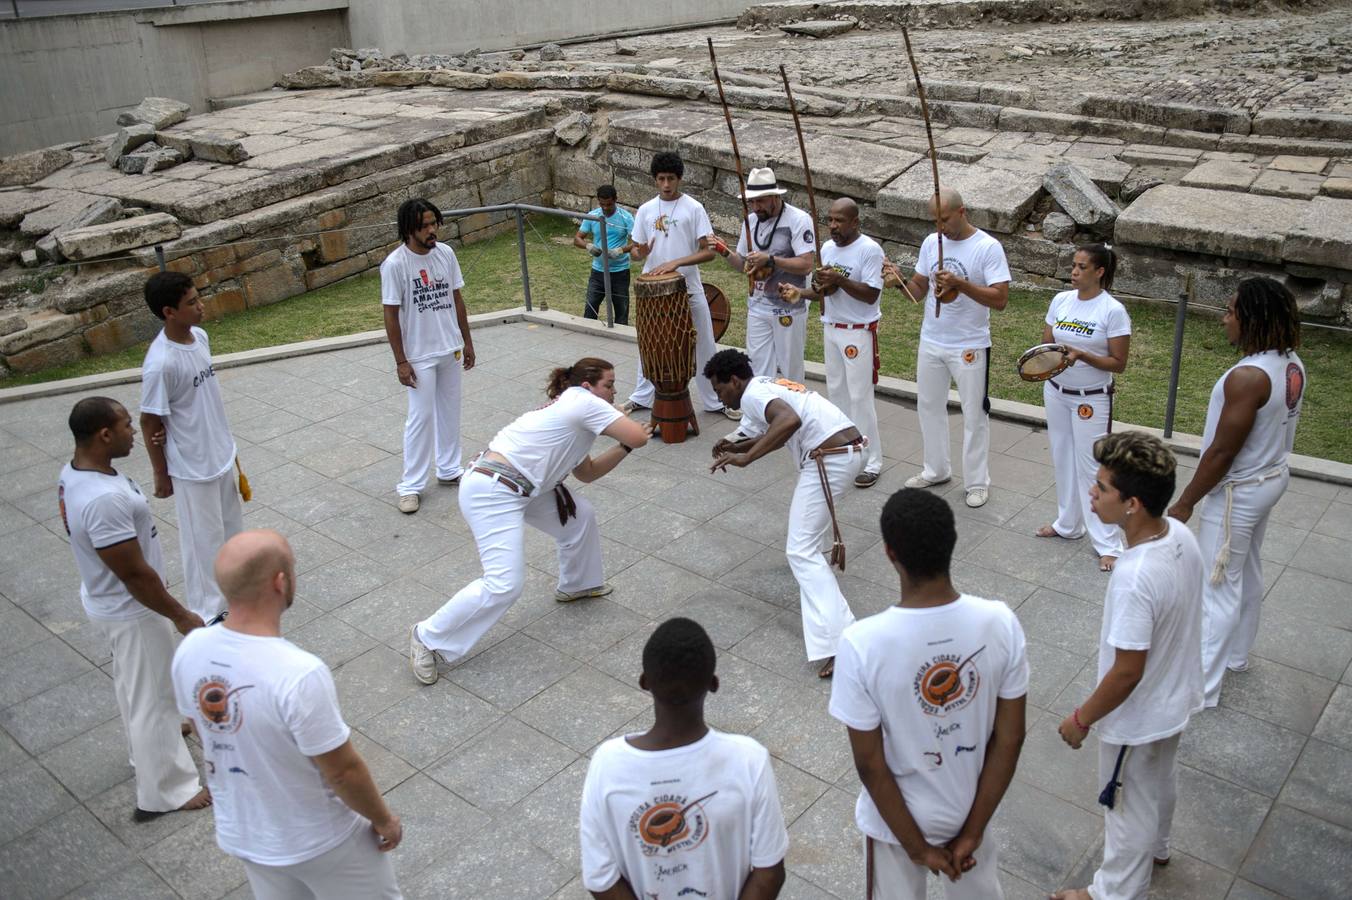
(1047, 531)
(828, 668)
(1106, 563)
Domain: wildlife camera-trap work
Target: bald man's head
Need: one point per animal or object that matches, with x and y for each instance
(951, 215)
(248, 565)
(845, 207)
(950, 200)
(843, 220)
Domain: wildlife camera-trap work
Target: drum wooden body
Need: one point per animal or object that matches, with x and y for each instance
(666, 346)
(720, 311)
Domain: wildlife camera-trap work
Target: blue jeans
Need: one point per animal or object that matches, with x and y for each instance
(619, 295)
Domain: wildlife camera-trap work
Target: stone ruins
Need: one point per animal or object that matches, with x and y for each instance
(1199, 136)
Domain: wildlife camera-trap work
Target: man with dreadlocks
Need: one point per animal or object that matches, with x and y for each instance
(1250, 429)
(428, 331)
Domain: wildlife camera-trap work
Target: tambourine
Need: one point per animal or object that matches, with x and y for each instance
(1043, 362)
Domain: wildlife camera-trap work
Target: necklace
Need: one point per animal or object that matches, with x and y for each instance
(765, 245)
(1154, 537)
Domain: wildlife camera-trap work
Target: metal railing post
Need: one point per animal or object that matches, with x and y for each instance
(604, 231)
(1179, 321)
(159, 256)
(521, 248)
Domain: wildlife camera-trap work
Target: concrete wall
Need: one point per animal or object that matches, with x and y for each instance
(451, 26)
(66, 77)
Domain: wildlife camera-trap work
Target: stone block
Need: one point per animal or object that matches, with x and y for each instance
(1311, 124)
(176, 140)
(218, 148)
(571, 130)
(11, 324)
(279, 282)
(225, 302)
(316, 278)
(401, 78)
(820, 28)
(1079, 197)
(1311, 165)
(551, 52)
(26, 168)
(1058, 227)
(114, 237)
(120, 332)
(47, 325)
(463, 81)
(582, 175)
(659, 129)
(127, 139)
(1222, 175)
(997, 200)
(1337, 187)
(1137, 183)
(1323, 236)
(53, 353)
(657, 85)
(1033, 256)
(57, 214)
(310, 77)
(1275, 183)
(504, 125)
(14, 205)
(1148, 155)
(774, 98)
(1220, 223)
(550, 81)
(1195, 117)
(157, 112)
(83, 294)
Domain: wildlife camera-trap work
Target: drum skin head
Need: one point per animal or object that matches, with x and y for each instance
(1043, 362)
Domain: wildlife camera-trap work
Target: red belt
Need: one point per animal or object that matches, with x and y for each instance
(871, 326)
(501, 479)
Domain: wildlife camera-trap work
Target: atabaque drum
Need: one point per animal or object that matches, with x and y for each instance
(720, 311)
(666, 347)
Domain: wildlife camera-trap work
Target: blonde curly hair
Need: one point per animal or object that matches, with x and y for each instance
(1141, 467)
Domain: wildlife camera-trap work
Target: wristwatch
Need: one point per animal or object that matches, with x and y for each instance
(771, 261)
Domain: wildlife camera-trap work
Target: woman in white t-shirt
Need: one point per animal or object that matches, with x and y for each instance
(1096, 330)
(519, 480)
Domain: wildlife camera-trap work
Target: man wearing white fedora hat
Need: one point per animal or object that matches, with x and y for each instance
(775, 247)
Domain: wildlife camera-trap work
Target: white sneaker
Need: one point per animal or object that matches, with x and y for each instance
(977, 497)
(566, 597)
(1239, 667)
(421, 658)
(408, 503)
(733, 414)
(920, 481)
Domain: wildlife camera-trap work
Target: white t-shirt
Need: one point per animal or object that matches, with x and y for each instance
(964, 323)
(859, 260)
(930, 679)
(689, 822)
(821, 418)
(676, 226)
(1086, 325)
(546, 444)
(423, 286)
(263, 707)
(1154, 603)
(100, 511)
(789, 234)
(178, 384)
(1274, 427)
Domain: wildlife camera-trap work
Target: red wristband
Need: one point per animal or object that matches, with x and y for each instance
(1075, 716)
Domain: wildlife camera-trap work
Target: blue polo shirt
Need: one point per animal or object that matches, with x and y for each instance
(618, 227)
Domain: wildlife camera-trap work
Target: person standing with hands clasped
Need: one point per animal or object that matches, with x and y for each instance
(428, 331)
(619, 223)
(1149, 665)
(1096, 332)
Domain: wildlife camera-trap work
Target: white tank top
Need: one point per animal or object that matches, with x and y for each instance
(1274, 428)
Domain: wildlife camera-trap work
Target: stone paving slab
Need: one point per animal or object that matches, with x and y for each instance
(486, 766)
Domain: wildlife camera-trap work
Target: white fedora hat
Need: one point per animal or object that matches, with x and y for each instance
(762, 183)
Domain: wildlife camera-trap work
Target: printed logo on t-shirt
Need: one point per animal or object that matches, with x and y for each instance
(219, 704)
(665, 223)
(1076, 326)
(791, 385)
(946, 683)
(61, 504)
(430, 293)
(670, 823)
(786, 321)
(809, 237)
(201, 377)
(951, 264)
(1295, 386)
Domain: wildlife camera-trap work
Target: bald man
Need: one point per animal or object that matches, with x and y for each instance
(955, 346)
(850, 288)
(293, 798)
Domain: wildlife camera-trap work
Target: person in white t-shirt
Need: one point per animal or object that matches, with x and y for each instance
(1149, 664)
(955, 342)
(1096, 332)
(192, 452)
(775, 248)
(932, 692)
(850, 290)
(671, 234)
(681, 810)
(517, 481)
(828, 451)
(1246, 443)
(428, 331)
(295, 801)
(117, 553)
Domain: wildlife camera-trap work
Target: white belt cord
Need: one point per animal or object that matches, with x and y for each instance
(1223, 552)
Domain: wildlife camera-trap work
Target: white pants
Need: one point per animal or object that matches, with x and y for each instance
(849, 384)
(1073, 425)
(209, 514)
(1136, 830)
(825, 612)
(433, 421)
(776, 348)
(143, 649)
(934, 367)
(354, 870)
(1230, 609)
(497, 516)
(645, 391)
(892, 875)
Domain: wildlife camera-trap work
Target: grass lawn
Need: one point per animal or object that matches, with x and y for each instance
(559, 277)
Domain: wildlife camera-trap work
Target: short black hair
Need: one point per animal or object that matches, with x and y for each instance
(1141, 466)
(91, 415)
(411, 215)
(606, 192)
(724, 364)
(678, 662)
(918, 528)
(667, 161)
(165, 289)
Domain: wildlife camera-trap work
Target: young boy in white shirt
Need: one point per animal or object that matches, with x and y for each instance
(681, 810)
(188, 436)
(932, 692)
(1150, 664)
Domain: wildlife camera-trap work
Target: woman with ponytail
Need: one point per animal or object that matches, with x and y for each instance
(1096, 331)
(519, 480)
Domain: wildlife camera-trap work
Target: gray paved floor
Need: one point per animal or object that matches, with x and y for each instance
(486, 767)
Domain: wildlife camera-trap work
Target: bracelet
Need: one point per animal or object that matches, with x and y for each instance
(771, 261)
(627, 448)
(1075, 717)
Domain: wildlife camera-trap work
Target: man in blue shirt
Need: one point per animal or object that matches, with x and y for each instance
(619, 223)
